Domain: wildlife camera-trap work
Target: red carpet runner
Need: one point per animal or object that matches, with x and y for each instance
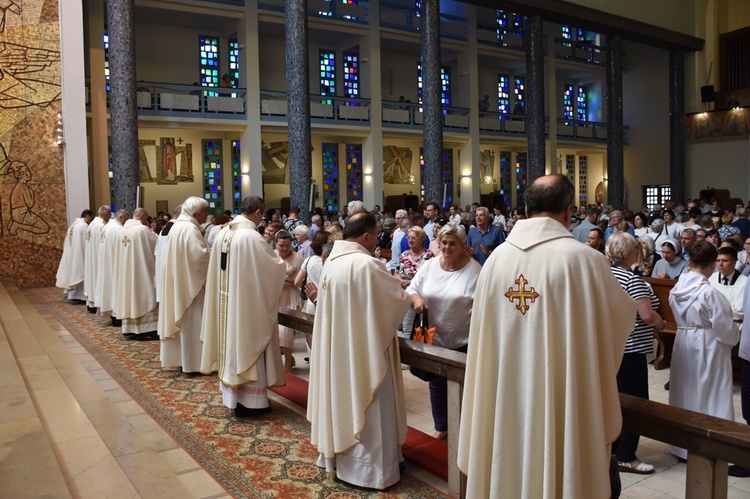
(421, 449)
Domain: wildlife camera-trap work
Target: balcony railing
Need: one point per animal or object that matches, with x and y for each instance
(408, 19)
(323, 109)
(328, 9)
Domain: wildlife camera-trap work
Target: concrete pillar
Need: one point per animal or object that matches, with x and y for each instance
(298, 99)
(615, 162)
(122, 102)
(553, 97)
(250, 144)
(432, 128)
(372, 147)
(468, 85)
(533, 41)
(99, 133)
(677, 124)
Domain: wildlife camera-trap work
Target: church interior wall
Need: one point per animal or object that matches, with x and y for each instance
(273, 65)
(646, 113)
(732, 15)
(719, 164)
(399, 76)
(677, 15)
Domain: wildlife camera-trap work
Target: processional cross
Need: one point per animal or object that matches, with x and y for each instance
(522, 294)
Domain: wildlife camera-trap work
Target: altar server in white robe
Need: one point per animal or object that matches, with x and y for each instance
(240, 314)
(135, 294)
(70, 272)
(161, 245)
(183, 283)
(107, 281)
(548, 330)
(700, 375)
(356, 402)
(93, 241)
(729, 281)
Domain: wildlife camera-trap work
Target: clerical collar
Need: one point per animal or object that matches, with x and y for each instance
(735, 275)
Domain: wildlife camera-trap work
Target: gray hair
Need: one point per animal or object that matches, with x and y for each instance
(177, 210)
(193, 205)
(355, 207)
(657, 225)
(302, 230)
(390, 222)
(327, 250)
(403, 213)
(688, 231)
(282, 234)
(649, 243)
(483, 208)
(315, 218)
(619, 244)
(454, 230)
(104, 209)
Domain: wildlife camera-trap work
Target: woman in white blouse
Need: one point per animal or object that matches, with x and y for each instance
(445, 286)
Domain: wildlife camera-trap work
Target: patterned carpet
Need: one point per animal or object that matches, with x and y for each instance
(268, 456)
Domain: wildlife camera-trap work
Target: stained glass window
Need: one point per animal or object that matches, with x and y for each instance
(212, 178)
(351, 77)
(209, 62)
(582, 104)
(327, 75)
(570, 167)
(445, 85)
(568, 102)
(106, 58)
(509, 26)
(519, 93)
(503, 95)
(353, 171)
(505, 186)
(330, 152)
(236, 177)
(583, 163)
(234, 64)
(448, 176)
(521, 177)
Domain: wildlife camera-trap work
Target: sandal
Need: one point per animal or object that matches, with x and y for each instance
(641, 469)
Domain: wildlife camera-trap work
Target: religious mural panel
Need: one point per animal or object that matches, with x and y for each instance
(275, 162)
(397, 165)
(486, 164)
(32, 181)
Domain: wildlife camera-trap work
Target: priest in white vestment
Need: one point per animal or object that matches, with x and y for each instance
(93, 241)
(135, 293)
(107, 281)
(161, 245)
(183, 280)
(548, 330)
(241, 313)
(70, 272)
(700, 374)
(356, 403)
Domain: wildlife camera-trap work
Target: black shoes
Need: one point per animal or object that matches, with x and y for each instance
(245, 412)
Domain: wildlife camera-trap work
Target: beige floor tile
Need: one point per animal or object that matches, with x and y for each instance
(129, 408)
(91, 471)
(25, 456)
(61, 415)
(114, 428)
(40, 373)
(178, 460)
(201, 484)
(152, 476)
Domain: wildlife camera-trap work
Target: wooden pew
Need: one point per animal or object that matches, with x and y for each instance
(665, 338)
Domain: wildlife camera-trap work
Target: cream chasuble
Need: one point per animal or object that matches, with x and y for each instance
(183, 276)
(359, 308)
(540, 406)
(109, 237)
(135, 293)
(72, 266)
(92, 260)
(241, 309)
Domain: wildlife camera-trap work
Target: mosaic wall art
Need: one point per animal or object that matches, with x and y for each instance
(33, 217)
(397, 165)
(174, 161)
(275, 162)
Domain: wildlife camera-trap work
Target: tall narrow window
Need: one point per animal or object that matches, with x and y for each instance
(236, 177)
(448, 176)
(521, 173)
(212, 178)
(351, 77)
(354, 171)
(209, 62)
(566, 35)
(234, 63)
(582, 113)
(519, 93)
(503, 95)
(106, 59)
(445, 85)
(583, 174)
(330, 152)
(505, 186)
(655, 195)
(570, 167)
(327, 75)
(568, 102)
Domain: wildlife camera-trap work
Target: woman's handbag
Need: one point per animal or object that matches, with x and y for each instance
(422, 333)
(302, 292)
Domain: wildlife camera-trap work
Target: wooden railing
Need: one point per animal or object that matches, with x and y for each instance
(711, 442)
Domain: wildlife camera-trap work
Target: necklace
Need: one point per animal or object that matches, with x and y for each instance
(445, 267)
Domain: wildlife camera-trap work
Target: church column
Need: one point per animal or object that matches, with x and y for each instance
(552, 109)
(432, 128)
(98, 100)
(372, 148)
(468, 173)
(251, 156)
(533, 41)
(677, 124)
(122, 102)
(298, 99)
(615, 162)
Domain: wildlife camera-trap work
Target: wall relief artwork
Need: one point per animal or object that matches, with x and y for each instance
(397, 165)
(32, 191)
(486, 164)
(173, 163)
(275, 162)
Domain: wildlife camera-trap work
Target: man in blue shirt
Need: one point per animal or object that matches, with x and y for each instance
(485, 237)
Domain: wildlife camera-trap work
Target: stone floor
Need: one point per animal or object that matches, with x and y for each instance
(62, 417)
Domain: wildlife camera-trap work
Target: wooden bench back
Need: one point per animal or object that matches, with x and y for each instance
(661, 288)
